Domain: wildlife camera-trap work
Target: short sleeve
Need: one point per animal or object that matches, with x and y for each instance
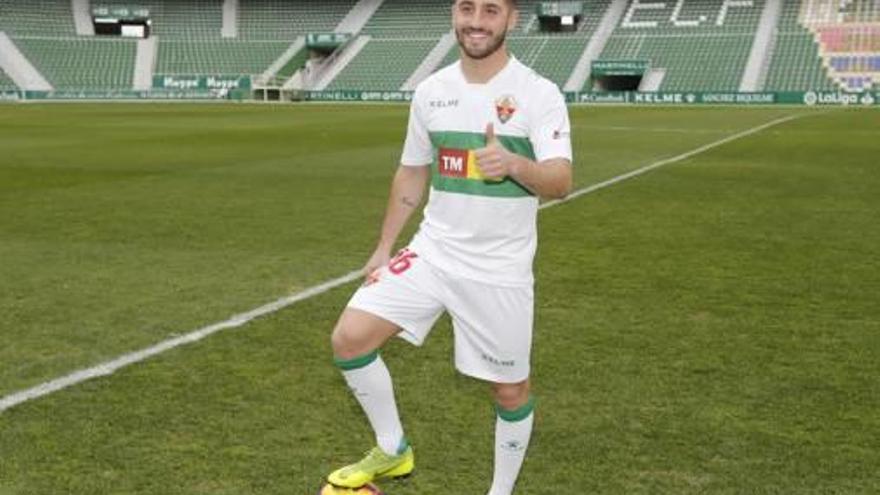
(417, 149)
(550, 133)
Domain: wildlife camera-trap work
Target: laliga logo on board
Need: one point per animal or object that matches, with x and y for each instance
(867, 100)
(505, 107)
(810, 98)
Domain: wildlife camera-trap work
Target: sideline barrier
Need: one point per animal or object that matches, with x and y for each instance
(154, 95)
(654, 98)
(809, 98)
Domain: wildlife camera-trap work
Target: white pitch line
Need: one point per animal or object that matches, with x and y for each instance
(110, 367)
(667, 161)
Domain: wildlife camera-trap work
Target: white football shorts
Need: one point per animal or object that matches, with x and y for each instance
(492, 324)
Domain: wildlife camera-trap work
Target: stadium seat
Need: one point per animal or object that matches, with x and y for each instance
(404, 31)
(696, 52)
(37, 17)
(81, 63)
(179, 19)
(6, 83)
(217, 56)
(796, 64)
(383, 64)
(285, 20)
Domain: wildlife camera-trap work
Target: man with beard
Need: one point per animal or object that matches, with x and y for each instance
(491, 136)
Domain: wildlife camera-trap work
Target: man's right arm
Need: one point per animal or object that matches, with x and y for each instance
(407, 189)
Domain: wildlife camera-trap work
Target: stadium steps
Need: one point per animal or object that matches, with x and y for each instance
(796, 64)
(613, 12)
(6, 82)
(19, 69)
(431, 62)
(288, 63)
(82, 18)
(759, 57)
(383, 64)
(144, 62)
(82, 63)
(321, 75)
(358, 16)
(229, 28)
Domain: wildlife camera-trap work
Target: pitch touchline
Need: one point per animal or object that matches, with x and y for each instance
(667, 161)
(110, 367)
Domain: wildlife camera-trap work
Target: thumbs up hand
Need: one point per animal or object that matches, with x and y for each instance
(494, 161)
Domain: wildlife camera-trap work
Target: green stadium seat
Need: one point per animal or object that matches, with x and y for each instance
(178, 19)
(220, 56)
(285, 20)
(383, 64)
(553, 55)
(82, 63)
(410, 18)
(37, 17)
(697, 53)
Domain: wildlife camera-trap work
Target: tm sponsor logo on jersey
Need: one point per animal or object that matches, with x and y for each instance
(459, 164)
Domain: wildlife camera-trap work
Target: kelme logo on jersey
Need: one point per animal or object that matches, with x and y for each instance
(461, 164)
(505, 107)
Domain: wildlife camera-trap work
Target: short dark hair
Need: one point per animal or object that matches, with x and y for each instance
(511, 2)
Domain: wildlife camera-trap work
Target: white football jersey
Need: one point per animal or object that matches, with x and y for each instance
(476, 228)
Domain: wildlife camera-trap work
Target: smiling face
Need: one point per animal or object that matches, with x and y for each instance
(481, 25)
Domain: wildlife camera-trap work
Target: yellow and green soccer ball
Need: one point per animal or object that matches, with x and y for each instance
(368, 489)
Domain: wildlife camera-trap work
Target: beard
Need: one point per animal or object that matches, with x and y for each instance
(493, 45)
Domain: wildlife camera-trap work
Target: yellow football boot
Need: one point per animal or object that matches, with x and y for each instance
(376, 465)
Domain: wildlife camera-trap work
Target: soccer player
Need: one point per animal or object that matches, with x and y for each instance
(491, 136)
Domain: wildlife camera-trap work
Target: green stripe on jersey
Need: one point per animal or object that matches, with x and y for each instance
(474, 140)
(506, 188)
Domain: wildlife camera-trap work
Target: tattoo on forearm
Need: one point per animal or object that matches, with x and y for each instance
(409, 202)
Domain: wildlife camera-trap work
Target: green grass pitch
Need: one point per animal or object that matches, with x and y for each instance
(711, 326)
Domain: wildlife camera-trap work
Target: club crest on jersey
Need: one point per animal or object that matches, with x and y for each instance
(505, 107)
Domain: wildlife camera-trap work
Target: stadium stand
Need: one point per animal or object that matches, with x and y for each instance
(383, 64)
(6, 84)
(703, 47)
(285, 20)
(796, 63)
(36, 18)
(179, 19)
(552, 55)
(817, 44)
(82, 63)
(410, 18)
(822, 48)
(217, 56)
